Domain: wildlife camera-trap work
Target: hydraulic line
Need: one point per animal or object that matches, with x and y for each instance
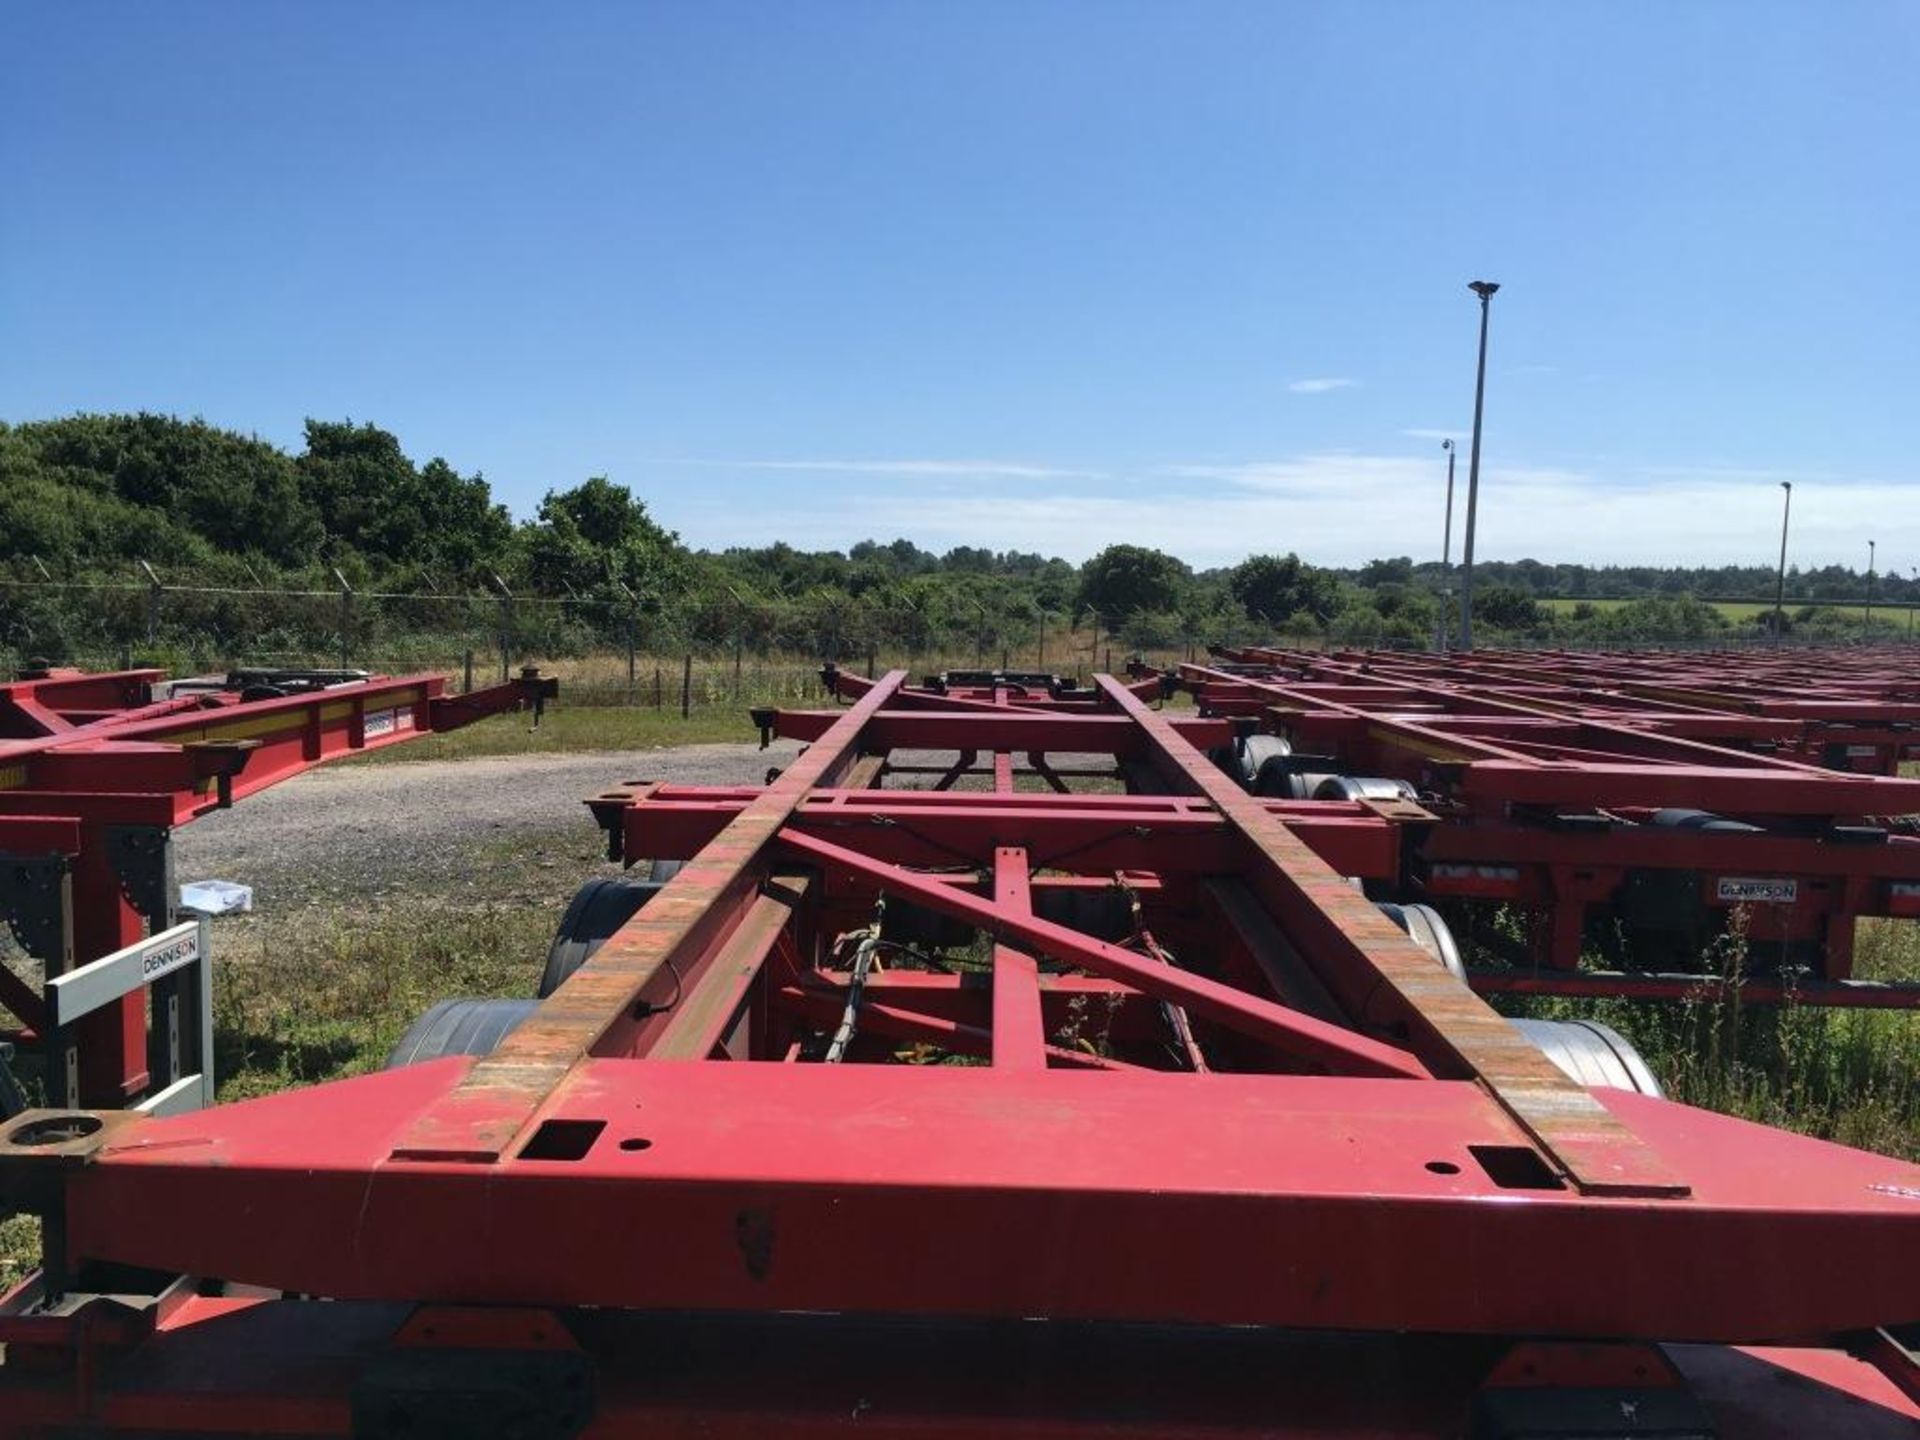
(866, 949)
(1177, 1019)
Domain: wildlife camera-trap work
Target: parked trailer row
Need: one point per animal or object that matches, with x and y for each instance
(1072, 1090)
(1697, 829)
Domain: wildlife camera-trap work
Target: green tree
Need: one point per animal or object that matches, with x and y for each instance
(376, 503)
(1125, 580)
(159, 488)
(1506, 608)
(597, 534)
(1280, 587)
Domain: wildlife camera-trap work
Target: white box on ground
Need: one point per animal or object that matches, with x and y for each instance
(216, 897)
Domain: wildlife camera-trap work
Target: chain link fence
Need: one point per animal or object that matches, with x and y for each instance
(689, 655)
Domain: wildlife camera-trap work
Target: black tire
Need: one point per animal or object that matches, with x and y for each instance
(1279, 780)
(1364, 787)
(1426, 928)
(598, 908)
(459, 1027)
(1593, 1054)
(1256, 751)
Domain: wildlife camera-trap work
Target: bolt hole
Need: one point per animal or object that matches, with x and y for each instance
(635, 1142)
(1443, 1167)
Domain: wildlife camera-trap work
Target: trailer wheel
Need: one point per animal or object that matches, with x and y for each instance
(459, 1027)
(1592, 1054)
(1255, 752)
(598, 908)
(1279, 780)
(1364, 787)
(661, 871)
(1427, 929)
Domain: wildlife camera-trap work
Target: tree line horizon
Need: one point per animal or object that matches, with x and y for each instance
(88, 497)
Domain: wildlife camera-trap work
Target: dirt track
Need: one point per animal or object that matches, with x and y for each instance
(498, 828)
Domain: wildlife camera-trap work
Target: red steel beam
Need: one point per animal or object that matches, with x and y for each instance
(1339, 1050)
(697, 910)
(1379, 973)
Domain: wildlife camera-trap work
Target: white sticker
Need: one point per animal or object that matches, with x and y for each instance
(169, 955)
(385, 722)
(1759, 892)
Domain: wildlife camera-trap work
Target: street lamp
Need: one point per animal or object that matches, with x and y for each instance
(1485, 290)
(1869, 589)
(1780, 591)
(1446, 546)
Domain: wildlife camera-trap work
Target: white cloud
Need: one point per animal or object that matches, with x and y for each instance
(934, 469)
(1320, 386)
(1343, 509)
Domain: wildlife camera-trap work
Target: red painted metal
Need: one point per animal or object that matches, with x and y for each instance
(1545, 776)
(1137, 1110)
(88, 756)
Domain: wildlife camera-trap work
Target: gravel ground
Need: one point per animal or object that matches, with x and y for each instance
(502, 828)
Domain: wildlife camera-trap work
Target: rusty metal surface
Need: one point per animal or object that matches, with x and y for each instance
(1371, 965)
(697, 910)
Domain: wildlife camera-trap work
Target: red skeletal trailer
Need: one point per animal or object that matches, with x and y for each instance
(98, 770)
(1643, 805)
(986, 1108)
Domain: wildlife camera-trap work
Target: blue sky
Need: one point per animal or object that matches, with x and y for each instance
(1036, 276)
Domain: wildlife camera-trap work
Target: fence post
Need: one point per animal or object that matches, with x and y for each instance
(346, 614)
(466, 687)
(686, 684)
(506, 627)
(658, 701)
(871, 657)
(153, 602)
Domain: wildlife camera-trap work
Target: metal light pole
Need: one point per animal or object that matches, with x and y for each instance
(1869, 589)
(1780, 590)
(1446, 551)
(1485, 290)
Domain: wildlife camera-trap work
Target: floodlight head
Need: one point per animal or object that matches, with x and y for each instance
(1483, 288)
(1446, 444)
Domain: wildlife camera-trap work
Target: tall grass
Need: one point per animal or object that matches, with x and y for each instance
(319, 997)
(1851, 1075)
